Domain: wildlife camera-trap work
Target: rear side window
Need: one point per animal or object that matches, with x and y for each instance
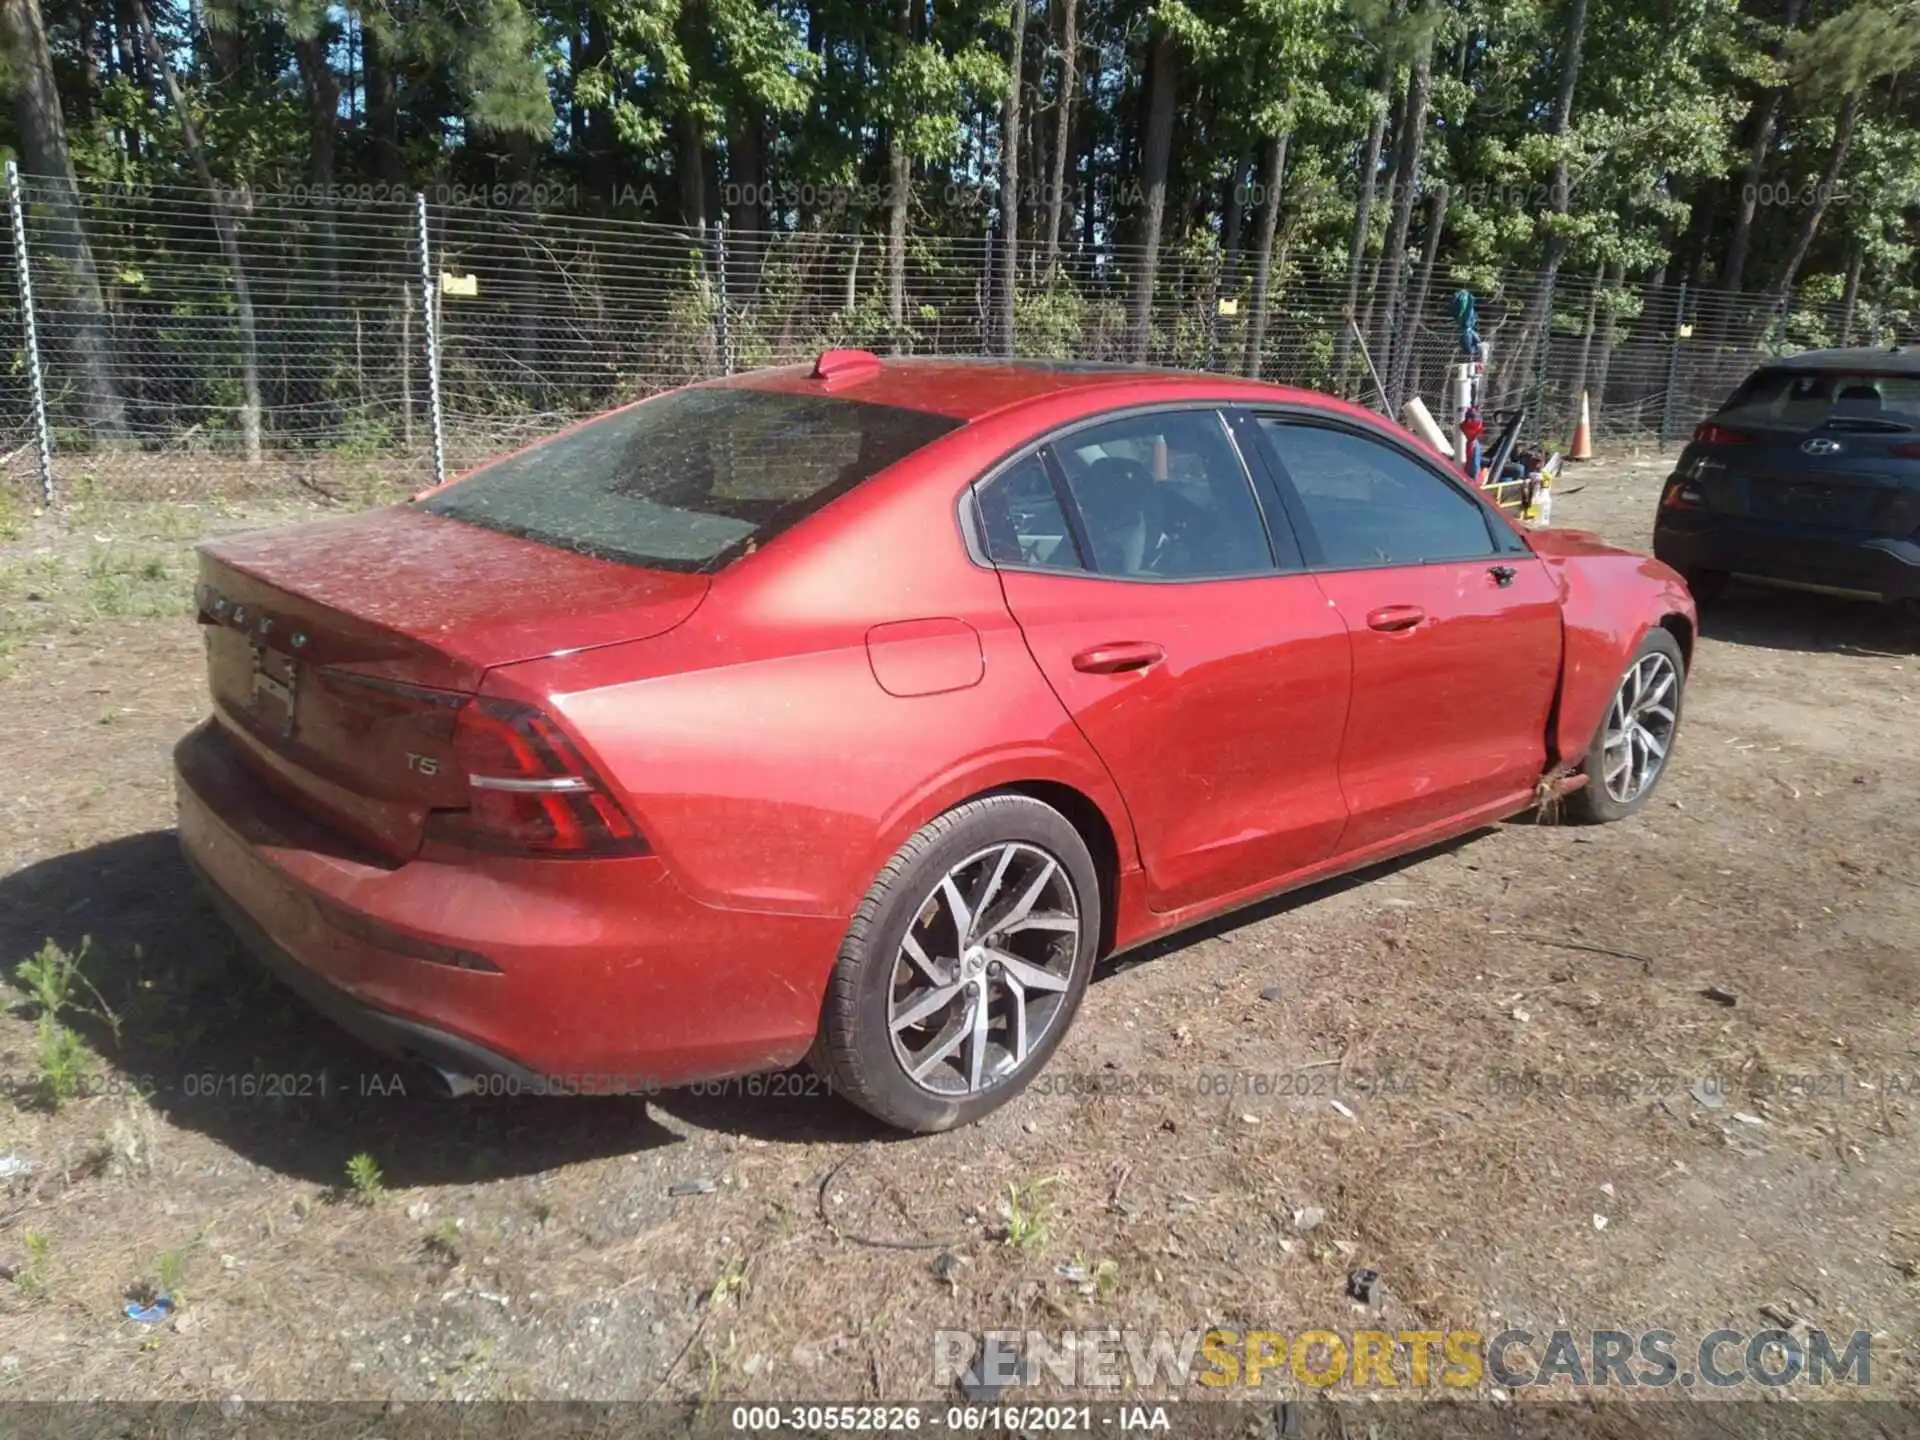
(688, 480)
(1804, 399)
(1021, 518)
(1164, 496)
(1371, 505)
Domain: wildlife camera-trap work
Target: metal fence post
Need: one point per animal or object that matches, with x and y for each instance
(725, 322)
(1673, 362)
(427, 310)
(37, 385)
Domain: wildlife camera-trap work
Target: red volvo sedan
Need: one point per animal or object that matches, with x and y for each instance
(857, 710)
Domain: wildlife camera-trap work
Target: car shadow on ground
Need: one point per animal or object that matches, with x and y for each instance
(1776, 619)
(178, 1012)
(218, 1047)
(1291, 900)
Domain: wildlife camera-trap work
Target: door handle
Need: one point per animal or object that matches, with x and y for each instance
(1503, 575)
(1395, 617)
(1118, 656)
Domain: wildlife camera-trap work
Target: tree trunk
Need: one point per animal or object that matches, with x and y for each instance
(1090, 153)
(1408, 181)
(383, 110)
(1539, 314)
(899, 181)
(1609, 331)
(1829, 177)
(1271, 176)
(1403, 353)
(1062, 127)
(691, 172)
(1233, 206)
(746, 177)
(1586, 335)
(1850, 297)
(322, 88)
(225, 227)
(1362, 218)
(1010, 178)
(1766, 118)
(1156, 146)
(42, 135)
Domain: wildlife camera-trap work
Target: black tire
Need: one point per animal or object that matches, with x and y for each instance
(856, 1046)
(1595, 803)
(1707, 586)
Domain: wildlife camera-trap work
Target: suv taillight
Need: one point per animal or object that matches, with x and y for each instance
(530, 791)
(1681, 494)
(1708, 433)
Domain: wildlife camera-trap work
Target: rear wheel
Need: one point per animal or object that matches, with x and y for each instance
(963, 966)
(1630, 750)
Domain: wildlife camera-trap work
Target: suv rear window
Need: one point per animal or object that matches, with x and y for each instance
(689, 479)
(1802, 399)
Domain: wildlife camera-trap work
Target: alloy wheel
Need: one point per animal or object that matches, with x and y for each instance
(983, 973)
(1640, 727)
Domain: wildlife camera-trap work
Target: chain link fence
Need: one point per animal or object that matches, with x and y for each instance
(190, 344)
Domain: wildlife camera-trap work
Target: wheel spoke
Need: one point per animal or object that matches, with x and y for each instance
(934, 1000)
(962, 916)
(1614, 772)
(941, 1050)
(927, 966)
(1027, 899)
(1652, 742)
(1028, 974)
(1017, 999)
(1040, 920)
(1660, 710)
(977, 1049)
(992, 887)
(1660, 691)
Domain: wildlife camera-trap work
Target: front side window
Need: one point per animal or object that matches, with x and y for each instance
(687, 480)
(1370, 505)
(1164, 496)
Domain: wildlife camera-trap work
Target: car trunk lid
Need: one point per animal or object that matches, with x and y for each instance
(340, 654)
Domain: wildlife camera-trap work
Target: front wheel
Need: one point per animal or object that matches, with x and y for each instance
(963, 966)
(1630, 750)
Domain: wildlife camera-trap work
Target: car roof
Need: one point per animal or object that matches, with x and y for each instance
(1878, 359)
(969, 388)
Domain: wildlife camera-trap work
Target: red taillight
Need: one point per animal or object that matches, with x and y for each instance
(530, 792)
(1908, 451)
(1708, 433)
(1681, 495)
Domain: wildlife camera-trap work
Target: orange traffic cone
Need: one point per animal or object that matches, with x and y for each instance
(1582, 447)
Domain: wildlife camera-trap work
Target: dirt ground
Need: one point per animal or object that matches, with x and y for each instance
(1510, 1127)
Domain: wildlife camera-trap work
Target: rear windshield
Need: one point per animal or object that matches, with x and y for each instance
(1804, 399)
(689, 479)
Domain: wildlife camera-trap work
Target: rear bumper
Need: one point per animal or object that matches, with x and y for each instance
(1884, 566)
(590, 977)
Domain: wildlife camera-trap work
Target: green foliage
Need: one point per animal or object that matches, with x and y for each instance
(780, 102)
(32, 1278)
(1029, 1213)
(61, 1060)
(364, 1180)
